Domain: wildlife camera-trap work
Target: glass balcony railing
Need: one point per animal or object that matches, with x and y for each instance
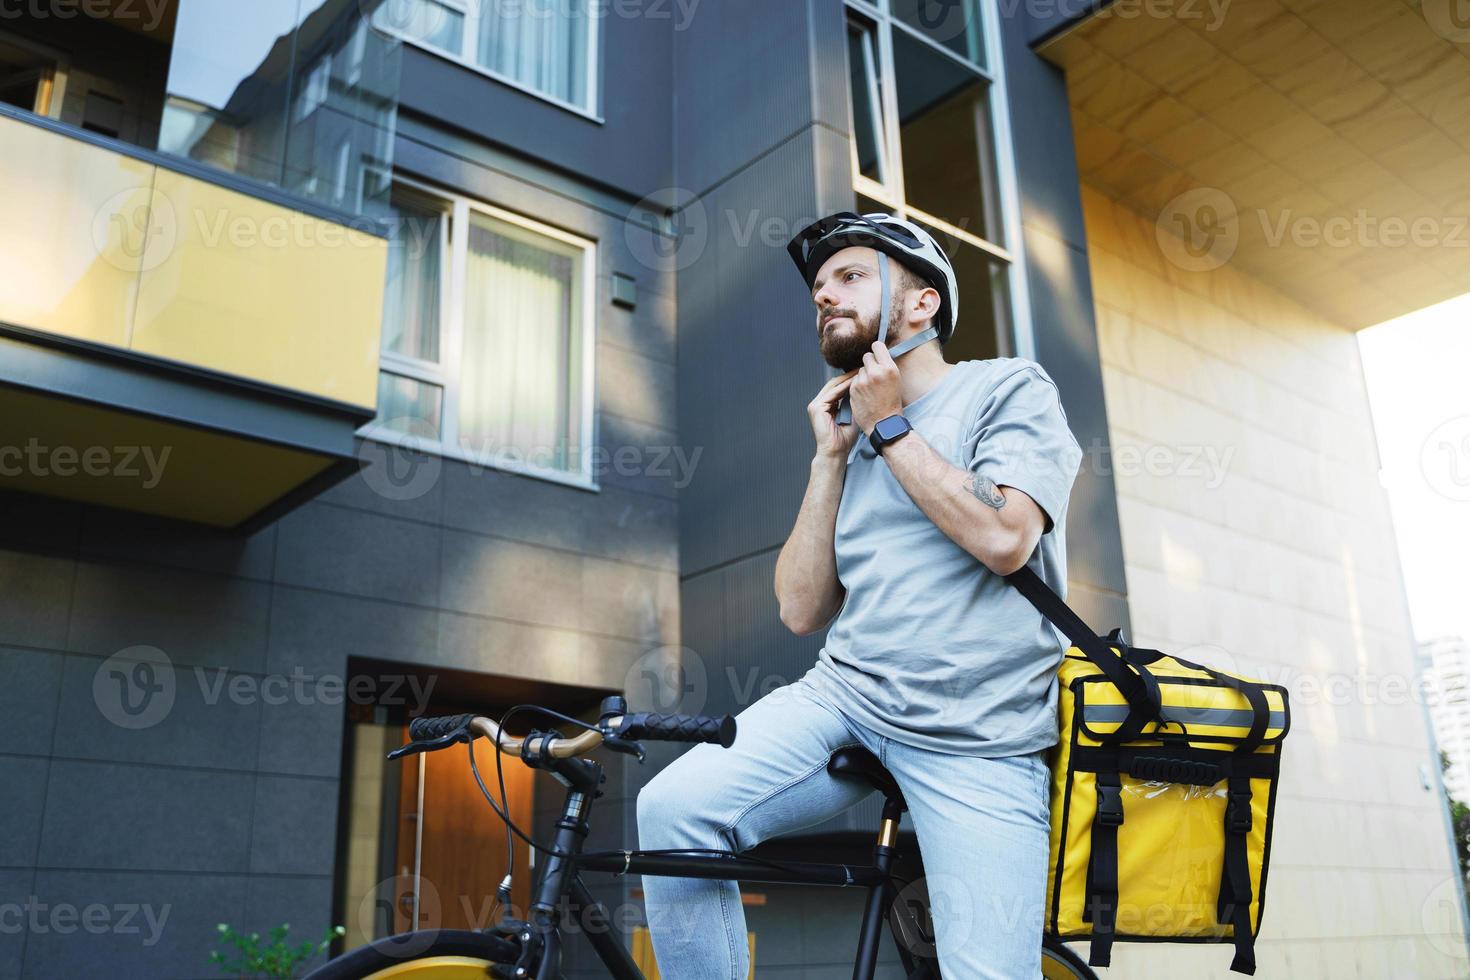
(296, 95)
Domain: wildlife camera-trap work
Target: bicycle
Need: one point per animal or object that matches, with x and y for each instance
(530, 949)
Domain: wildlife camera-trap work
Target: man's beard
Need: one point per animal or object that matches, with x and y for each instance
(844, 348)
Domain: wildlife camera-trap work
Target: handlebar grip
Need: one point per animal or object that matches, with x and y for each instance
(678, 728)
(426, 729)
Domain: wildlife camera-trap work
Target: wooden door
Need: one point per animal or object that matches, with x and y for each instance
(463, 842)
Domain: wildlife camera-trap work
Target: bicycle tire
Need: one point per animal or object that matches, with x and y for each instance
(429, 954)
(1059, 962)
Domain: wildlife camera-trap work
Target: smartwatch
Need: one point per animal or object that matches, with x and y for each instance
(888, 430)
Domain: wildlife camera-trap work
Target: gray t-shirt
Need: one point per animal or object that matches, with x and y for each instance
(930, 647)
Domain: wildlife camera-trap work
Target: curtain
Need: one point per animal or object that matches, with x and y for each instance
(516, 364)
(411, 299)
(541, 44)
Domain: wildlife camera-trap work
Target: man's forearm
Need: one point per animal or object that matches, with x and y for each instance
(965, 506)
(806, 570)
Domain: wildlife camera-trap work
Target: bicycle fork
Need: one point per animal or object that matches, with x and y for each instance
(539, 935)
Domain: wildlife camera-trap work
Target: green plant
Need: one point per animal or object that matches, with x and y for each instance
(273, 958)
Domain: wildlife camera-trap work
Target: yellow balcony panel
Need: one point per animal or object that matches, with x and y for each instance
(74, 230)
(243, 286)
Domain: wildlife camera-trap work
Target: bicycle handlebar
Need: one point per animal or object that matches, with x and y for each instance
(678, 728)
(619, 727)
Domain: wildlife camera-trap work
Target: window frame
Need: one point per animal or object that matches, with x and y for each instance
(465, 57)
(456, 210)
(890, 193)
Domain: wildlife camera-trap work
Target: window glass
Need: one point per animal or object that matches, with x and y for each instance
(944, 130)
(235, 68)
(866, 103)
(409, 406)
(224, 106)
(411, 299)
(984, 319)
(495, 360)
(955, 24)
(520, 317)
(428, 21)
(542, 45)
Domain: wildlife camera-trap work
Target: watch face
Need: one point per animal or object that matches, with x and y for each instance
(890, 427)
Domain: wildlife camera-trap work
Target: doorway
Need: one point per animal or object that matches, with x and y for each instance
(418, 845)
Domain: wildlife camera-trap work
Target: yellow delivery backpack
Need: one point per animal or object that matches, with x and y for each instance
(1163, 791)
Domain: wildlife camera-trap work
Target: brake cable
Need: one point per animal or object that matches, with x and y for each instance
(503, 810)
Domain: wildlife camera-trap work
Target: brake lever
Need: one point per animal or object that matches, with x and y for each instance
(623, 745)
(461, 734)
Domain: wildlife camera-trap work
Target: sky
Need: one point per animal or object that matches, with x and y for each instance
(1416, 369)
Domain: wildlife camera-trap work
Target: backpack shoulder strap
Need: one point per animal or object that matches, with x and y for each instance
(1132, 680)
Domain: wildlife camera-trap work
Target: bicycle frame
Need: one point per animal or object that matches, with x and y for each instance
(561, 877)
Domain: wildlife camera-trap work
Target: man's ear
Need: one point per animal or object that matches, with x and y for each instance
(924, 305)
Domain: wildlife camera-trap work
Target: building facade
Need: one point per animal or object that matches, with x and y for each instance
(370, 359)
(1446, 663)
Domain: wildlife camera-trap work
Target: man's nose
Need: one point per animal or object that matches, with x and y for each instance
(825, 297)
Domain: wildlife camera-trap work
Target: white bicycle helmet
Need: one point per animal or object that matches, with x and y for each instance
(891, 236)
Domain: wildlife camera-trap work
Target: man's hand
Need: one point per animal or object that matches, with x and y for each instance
(876, 392)
(832, 439)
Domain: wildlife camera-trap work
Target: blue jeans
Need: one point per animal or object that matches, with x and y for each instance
(983, 828)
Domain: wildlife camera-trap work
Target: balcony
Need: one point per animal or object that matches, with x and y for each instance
(192, 298)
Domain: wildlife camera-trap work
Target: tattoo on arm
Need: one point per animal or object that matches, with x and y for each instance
(986, 491)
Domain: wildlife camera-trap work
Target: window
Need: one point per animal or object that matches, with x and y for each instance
(547, 47)
(923, 114)
(487, 337)
(315, 89)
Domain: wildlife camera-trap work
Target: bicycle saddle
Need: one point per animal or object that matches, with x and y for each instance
(858, 761)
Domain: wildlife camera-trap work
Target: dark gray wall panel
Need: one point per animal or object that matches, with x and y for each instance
(24, 780)
(1041, 129)
(195, 619)
(35, 591)
(158, 819)
(1043, 20)
(748, 363)
(742, 77)
(629, 151)
(28, 699)
(186, 906)
(206, 726)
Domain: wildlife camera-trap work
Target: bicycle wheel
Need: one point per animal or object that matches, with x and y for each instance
(1058, 962)
(433, 954)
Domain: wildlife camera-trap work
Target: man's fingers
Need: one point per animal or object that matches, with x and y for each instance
(832, 392)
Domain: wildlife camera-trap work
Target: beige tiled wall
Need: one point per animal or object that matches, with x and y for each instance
(1256, 537)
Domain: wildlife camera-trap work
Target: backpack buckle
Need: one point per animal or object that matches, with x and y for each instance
(1109, 805)
(1238, 818)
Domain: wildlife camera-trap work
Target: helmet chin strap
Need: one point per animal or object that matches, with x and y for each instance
(844, 410)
